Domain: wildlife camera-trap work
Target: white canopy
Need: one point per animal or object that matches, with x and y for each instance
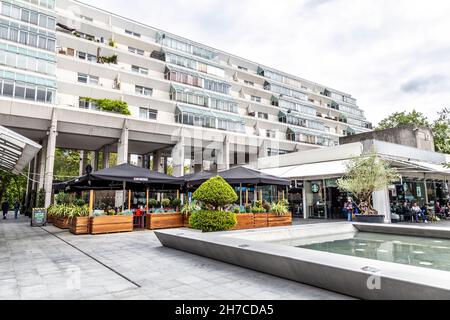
(327, 169)
(16, 151)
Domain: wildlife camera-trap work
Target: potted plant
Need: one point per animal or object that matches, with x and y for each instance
(176, 203)
(214, 194)
(187, 209)
(79, 219)
(153, 203)
(365, 175)
(279, 214)
(165, 203)
(245, 220)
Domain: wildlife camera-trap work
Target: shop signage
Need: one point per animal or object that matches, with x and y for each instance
(39, 217)
(315, 188)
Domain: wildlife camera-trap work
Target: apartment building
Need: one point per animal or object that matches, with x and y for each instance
(78, 77)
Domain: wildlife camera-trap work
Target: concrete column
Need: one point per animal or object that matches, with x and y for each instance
(253, 154)
(83, 161)
(178, 158)
(198, 155)
(263, 150)
(166, 164)
(94, 160)
(106, 157)
(122, 148)
(157, 164)
(382, 204)
(50, 159)
(223, 156)
(41, 171)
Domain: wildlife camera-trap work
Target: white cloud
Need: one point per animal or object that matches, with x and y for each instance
(390, 55)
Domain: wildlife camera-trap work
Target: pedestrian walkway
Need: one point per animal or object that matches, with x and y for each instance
(49, 263)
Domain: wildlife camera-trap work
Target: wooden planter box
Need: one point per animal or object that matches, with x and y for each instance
(274, 220)
(111, 224)
(165, 221)
(50, 219)
(186, 221)
(80, 225)
(261, 220)
(244, 221)
(62, 223)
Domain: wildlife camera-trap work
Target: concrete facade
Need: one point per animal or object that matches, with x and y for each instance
(234, 112)
(412, 136)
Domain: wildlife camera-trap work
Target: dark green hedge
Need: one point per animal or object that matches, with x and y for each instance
(210, 221)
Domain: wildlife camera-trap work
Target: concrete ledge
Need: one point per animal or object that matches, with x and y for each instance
(339, 273)
(404, 230)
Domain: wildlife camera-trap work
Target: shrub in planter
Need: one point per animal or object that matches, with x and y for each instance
(189, 208)
(280, 208)
(176, 203)
(153, 203)
(216, 192)
(165, 203)
(210, 221)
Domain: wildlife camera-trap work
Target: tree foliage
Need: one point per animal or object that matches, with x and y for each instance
(399, 119)
(211, 221)
(110, 105)
(365, 175)
(216, 192)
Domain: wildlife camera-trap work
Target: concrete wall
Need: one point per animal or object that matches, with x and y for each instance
(412, 136)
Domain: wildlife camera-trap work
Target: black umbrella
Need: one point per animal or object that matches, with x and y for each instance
(238, 175)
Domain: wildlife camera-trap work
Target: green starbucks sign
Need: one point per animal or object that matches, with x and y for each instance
(315, 187)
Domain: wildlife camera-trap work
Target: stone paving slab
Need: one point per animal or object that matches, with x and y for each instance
(34, 264)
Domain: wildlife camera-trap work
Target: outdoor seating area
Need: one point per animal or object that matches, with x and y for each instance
(126, 198)
(427, 213)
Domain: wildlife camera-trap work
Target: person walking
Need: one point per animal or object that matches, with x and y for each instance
(16, 207)
(5, 208)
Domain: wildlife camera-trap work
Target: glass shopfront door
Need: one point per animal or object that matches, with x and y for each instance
(315, 200)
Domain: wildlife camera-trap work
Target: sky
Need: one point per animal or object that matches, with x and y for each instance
(389, 55)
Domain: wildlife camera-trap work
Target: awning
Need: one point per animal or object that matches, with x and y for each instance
(181, 108)
(16, 151)
(329, 169)
(113, 178)
(238, 175)
(178, 88)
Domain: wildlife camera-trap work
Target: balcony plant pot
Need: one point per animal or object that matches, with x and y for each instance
(165, 220)
(79, 225)
(244, 221)
(111, 224)
(366, 218)
(61, 222)
(275, 220)
(261, 220)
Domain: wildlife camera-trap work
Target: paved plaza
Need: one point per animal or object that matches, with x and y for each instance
(49, 263)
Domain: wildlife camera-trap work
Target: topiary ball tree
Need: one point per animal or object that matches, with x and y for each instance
(216, 192)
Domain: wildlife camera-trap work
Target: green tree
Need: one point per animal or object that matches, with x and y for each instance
(399, 119)
(12, 187)
(365, 175)
(67, 164)
(441, 132)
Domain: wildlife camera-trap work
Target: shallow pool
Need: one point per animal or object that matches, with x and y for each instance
(416, 251)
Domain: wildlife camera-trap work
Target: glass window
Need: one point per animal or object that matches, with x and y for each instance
(25, 15)
(32, 40)
(42, 21)
(83, 78)
(51, 23)
(30, 93)
(19, 91)
(42, 42)
(23, 37)
(40, 97)
(13, 34)
(51, 45)
(15, 12)
(6, 9)
(4, 32)
(34, 17)
(8, 88)
(50, 95)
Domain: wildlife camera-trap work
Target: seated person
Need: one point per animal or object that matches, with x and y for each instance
(405, 210)
(418, 212)
(438, 210)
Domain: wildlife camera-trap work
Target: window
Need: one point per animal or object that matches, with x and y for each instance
(139, 70)
(256, 99)
(137, 51)
(131, 33)
(150, 114)
(87, 56)
(271, 134)
(242, 68)
(249, 83)
(143, 90)
(88, 79)
(263, 115)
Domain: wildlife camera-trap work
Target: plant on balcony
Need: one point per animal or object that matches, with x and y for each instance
(365, 175)
(112, 43)
(110, 60)
(109, 105)
(215, 194)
